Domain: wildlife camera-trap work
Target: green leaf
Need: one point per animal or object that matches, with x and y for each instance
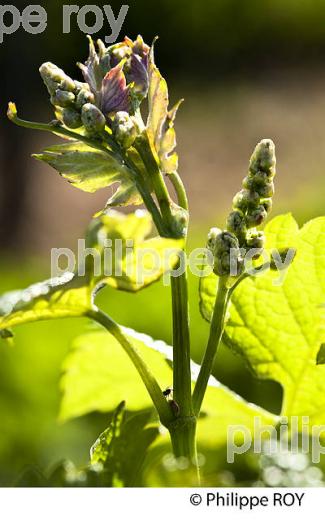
(160, 124)
(85, 164)
(224, 410)
(62, 297)
(71, 295)
(98, 375)
(279, 328)
(321, 355)
(121, 449)
(100, 451)
(89, 169)
(136, 262)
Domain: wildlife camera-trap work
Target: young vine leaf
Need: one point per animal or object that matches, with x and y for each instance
(72, 294)
(160, 124)
(98, 375)
(88, 169)
(278, 327)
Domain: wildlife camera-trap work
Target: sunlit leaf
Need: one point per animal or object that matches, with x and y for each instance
(61, 297)
(226, 415)
(279, 327)
(102, 448)
(98, 375)
(132, 264)
(134, 261)
(86, 168)
(160, 124)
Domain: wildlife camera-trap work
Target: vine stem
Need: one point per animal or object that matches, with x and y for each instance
(179, 189)
(144, 149)
(162, 406)
(54, 128)
(183, 429)
(216, 331)
(182, 389)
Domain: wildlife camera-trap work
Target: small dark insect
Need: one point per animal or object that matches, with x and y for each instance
(168, 392)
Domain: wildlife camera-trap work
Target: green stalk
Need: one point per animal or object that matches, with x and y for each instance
(179, 189)
(182, 388)
(54, 128)
(183, 428)
(146, 196)
(183, 437)
(142, 145)
(216, 331)
(154, 390)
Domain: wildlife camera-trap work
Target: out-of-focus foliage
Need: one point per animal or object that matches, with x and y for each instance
(72, 294)
(98, 374)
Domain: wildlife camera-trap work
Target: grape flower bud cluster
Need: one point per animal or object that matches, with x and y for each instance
(116, 81)
(250, 209)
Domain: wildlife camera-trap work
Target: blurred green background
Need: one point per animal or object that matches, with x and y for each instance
(247, 70)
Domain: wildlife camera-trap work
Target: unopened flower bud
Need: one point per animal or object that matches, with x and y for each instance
(263, 158)
(259, 183)
(220, 242)
(124, 129)
(55, 78)
(180, 221)
(92, 118)
(267, 190)
(222, 265)
(245, 199)
(84, 97)
(80, 86)
(229, 264)
(212, 237)
(225, 249)
(256, 217)
(62, 98)
(236, 223)
(71, 118)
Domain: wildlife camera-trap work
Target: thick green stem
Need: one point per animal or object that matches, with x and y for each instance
(181, 342)
(183, 438)
(154, 390)
(216, 331)
(146, 196)
(151, 207)
(182, 433)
